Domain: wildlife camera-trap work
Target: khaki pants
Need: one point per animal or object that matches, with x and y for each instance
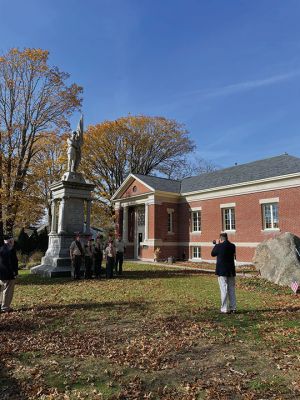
(6, 293)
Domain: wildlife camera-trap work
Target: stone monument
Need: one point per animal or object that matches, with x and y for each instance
(71, 211)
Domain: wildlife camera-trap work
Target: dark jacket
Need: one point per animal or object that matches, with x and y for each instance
(225, 253)
(8, 263)
(14, 261)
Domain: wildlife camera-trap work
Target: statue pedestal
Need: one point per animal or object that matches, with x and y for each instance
(71, 208)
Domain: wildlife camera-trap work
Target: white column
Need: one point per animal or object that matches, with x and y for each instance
(125, 224)
(61, 218)
(53, 216)
(146, 221)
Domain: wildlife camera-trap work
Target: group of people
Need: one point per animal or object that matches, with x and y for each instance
(92, 254)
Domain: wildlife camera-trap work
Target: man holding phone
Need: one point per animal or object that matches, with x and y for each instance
(225, 269)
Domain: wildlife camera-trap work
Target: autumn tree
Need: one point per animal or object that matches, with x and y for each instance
(47, 166)
(190, 166)
(136, 144)
(34, 98)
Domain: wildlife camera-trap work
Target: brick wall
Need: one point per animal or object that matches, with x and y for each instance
(248, 217)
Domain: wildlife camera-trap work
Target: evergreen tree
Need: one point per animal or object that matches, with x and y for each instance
(43, 240)
(33, 241)
(23, 242)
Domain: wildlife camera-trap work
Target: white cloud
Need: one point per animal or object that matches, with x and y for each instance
(247, 85)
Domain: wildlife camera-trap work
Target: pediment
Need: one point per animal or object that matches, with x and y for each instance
(132, 187)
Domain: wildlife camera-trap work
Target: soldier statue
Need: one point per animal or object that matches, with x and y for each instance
(75, 142)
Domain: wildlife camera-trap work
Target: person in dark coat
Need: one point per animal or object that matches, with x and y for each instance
(225, 269)
(110, 254)
(8, 272)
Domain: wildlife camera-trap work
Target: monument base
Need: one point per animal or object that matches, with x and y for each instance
(57, 261)
(60, 267)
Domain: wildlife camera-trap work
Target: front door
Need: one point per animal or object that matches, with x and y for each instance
(139, 230)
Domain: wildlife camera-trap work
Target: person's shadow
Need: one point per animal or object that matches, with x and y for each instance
(9, 386)
(31, 279)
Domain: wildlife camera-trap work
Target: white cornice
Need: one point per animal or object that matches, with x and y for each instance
(167, 194)
(131, 201)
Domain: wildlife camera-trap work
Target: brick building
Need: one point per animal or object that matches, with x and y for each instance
(251, 202)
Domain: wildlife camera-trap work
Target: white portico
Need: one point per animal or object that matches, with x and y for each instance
(140, 209)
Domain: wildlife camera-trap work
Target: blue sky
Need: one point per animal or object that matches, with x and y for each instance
(228, 69)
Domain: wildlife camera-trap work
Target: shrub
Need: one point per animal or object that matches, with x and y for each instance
(35, 258)
(23, 259)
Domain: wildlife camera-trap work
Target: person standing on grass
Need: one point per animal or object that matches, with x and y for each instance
(110, 254)
(98, 256)
(8, 273)
(76, 254)
(88, 258)
(120, 251)
(225, 269)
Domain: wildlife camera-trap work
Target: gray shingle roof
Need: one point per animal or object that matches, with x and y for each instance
(163, 184)
(261, 169)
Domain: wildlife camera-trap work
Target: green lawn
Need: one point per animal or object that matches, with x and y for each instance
(156, 333)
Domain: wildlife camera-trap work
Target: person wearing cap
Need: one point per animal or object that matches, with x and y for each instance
(76, 254)
(8, 272)
(225, 269)
(120, 250)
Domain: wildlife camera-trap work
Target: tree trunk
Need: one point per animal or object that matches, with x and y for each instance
(1, 197)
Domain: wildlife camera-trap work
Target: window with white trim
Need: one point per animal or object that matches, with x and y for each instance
(196, 221)
(270, 216)
(196, 252)
(170, 221)
(228, 217)
(141, 216)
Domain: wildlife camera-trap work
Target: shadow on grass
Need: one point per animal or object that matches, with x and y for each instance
(16, 323)
(9, 386)
(120, 305)
(30, 279)
(160, 274)
(289, 309)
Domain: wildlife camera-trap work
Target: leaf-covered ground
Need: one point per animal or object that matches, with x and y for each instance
(155, 333)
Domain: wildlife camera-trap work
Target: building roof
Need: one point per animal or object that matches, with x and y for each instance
(253, 171)
(157, 183)
(256, 170)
